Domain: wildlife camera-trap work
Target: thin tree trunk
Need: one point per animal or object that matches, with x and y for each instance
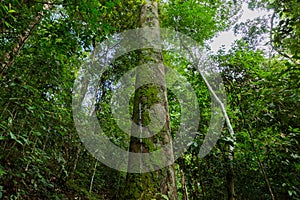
(161, 182)
(196, 189)
(260, 164)
(230, 182)
(75, 162)
(266, 178)
(185, 193)
(9, 57)
(230, 171)
(93, 176)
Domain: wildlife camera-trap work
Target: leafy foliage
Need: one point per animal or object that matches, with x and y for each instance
(41, 156)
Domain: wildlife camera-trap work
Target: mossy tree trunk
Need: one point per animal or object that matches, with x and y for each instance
(159, 183)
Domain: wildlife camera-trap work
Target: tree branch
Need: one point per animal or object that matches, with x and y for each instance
(9, 57)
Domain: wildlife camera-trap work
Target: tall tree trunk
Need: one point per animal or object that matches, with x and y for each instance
(154, 184)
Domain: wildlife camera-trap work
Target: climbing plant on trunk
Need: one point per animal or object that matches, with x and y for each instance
(160, 182)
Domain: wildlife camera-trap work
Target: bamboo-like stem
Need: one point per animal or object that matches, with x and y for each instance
(93, 176)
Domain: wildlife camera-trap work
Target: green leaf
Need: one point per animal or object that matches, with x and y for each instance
(7, 24)
(2, 137)
(13, 137)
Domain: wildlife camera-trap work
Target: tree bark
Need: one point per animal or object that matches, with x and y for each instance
(185, 193)
(161, 182)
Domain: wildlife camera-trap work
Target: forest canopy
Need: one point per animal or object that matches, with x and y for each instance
(45, 43)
